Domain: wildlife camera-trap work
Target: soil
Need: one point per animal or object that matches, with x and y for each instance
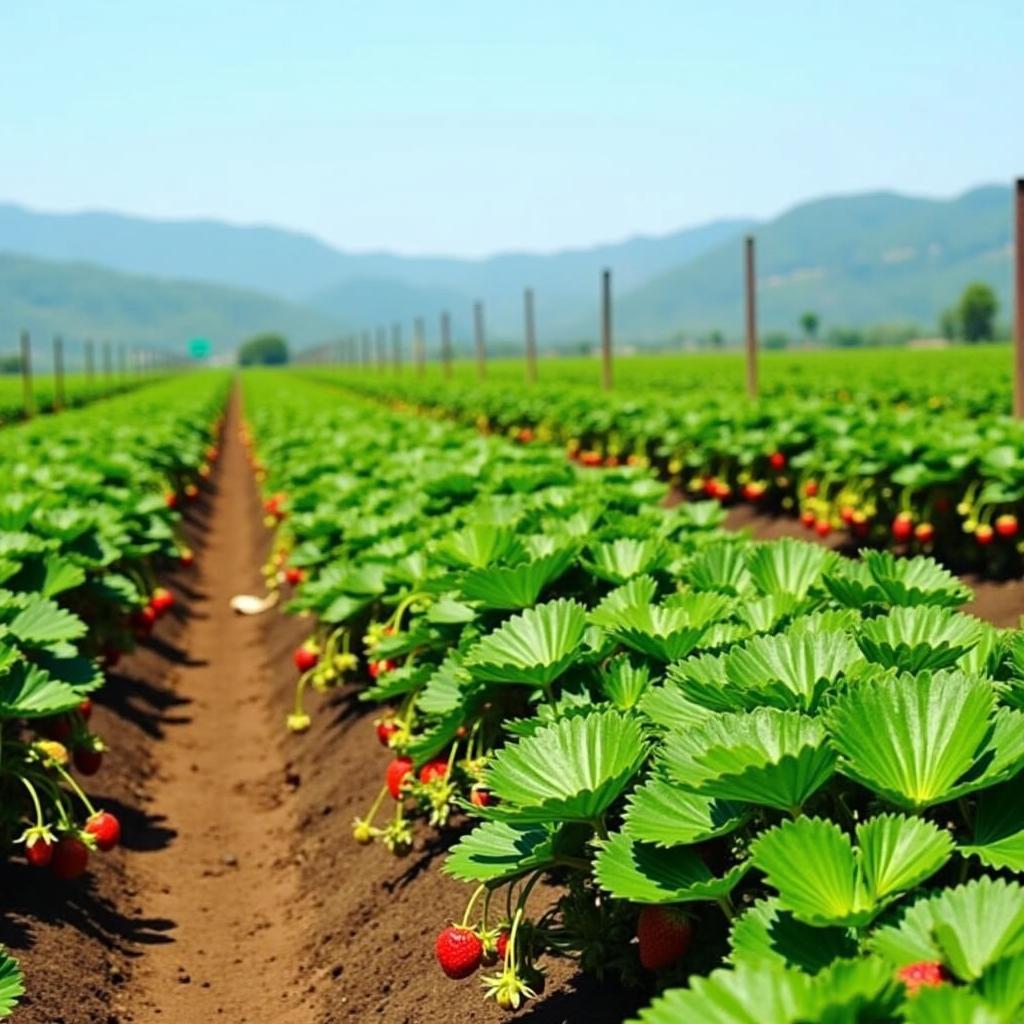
(238, 892)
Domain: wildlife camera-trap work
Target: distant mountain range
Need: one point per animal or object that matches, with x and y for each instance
(82, 301)
(854, 260)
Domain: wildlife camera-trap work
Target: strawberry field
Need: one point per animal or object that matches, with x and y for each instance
(340, 696)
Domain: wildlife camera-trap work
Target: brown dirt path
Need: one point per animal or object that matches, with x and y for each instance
(221, 786)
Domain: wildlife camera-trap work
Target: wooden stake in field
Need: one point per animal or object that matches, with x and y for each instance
(90, 361)
(750, 276)
(396, 347)
(58, 373)
(382, 347)
(606, 329)
(419, 344)
(28, 398)
(108, 364)
(531, 337)
(446, 344)
(366, 349)
(481, 345)
(1018, 289)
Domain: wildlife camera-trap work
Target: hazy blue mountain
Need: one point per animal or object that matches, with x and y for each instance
(79, 301)
(854, 260)
(377, 287)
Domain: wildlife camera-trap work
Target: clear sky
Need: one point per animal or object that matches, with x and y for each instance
(468, 127)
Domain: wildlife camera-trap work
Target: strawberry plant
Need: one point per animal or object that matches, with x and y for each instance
(778, 782)
(85, 529)
(908, 460)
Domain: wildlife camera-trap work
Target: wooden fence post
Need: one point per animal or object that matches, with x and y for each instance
(750, 275)
(1018, 277)
(481, 344)
(606, 330)
(531, 337)
(90, 362)
(396, 347)
(419, 345)
(28, 398)
(446, 344)
(58, 373)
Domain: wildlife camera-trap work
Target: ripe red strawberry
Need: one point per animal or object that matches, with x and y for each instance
(386, 728)
(822, 527)
(591, 458)
(903, 527)
(924, 532)
(524, 436)
(396, 774)
(58, 728)
(777, 460)
(38, 852)
(106, 828)
(294, 576)
(846, 513)
(272, 506)
(480, 797)
(459, 952)
(754, 491)
(171, 499)
(984, 534)
(502, 944)
(436, 769)
(380, 667)
(926, 974)
(143, 620)
(88, 760)
(811, 488)
(306, 656)
(85, 708)
(162, 601)
(1006, 525)
(70, 858)
(808, 518)
(664, 937)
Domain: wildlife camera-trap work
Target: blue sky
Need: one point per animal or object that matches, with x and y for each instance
(467, 128)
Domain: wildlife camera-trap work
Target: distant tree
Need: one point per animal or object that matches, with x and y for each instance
(266, 349)
(775, 340)
(845, 337)
(809, 324)
(977, 312)
(10, 364)
(717, 339)
(949, 324)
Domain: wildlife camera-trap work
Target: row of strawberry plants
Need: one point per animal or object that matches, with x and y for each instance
(928, 478)
(78, 390)
(782, 785)
(89, 516)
